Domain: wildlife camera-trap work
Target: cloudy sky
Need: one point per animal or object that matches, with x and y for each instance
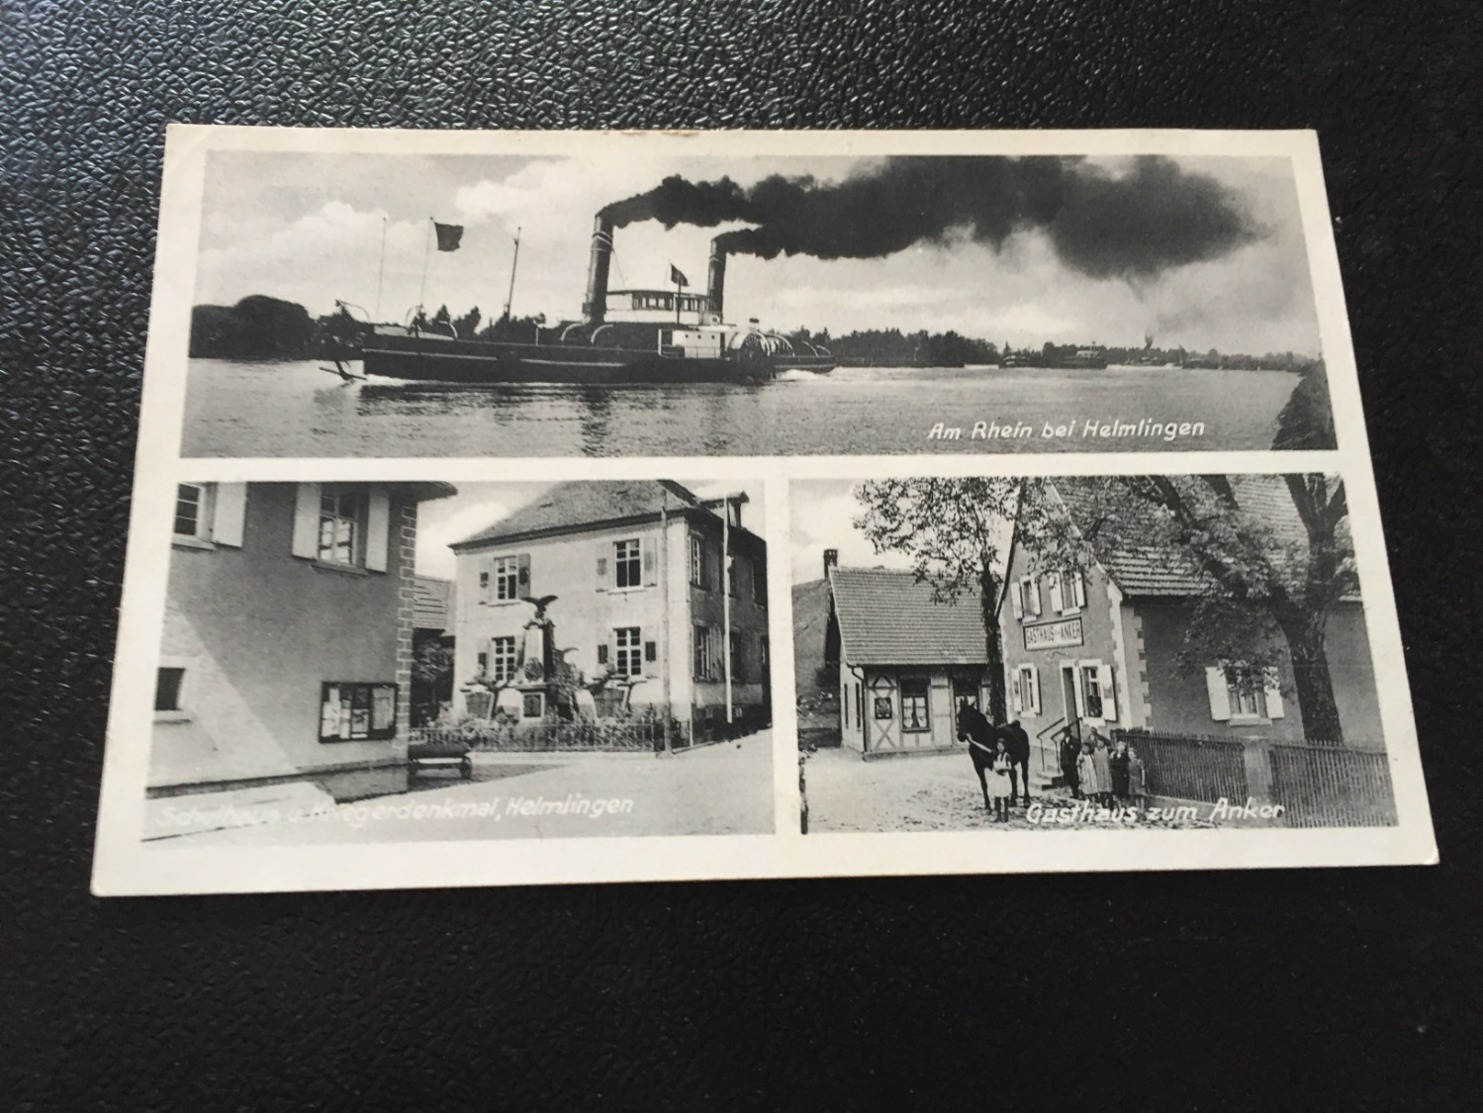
(308, 228)
(823, 512)
(478, 506)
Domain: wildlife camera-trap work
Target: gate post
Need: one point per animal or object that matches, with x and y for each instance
(1256, 754)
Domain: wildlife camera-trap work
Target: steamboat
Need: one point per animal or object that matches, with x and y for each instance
(652, 336)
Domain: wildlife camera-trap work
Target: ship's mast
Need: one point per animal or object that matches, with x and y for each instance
(510, 298)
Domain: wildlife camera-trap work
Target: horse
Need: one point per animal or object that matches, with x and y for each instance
(982, 737)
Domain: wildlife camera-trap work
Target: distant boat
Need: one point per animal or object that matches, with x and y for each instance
(1082, 358)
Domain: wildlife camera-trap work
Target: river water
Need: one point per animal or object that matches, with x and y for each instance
(296, 409)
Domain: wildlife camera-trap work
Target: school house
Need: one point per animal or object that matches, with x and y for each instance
(286, 647)
(656, 596)
(904, 659)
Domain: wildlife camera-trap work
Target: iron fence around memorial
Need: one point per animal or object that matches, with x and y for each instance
(1189, 766)
(578, 736)
(1332, 786)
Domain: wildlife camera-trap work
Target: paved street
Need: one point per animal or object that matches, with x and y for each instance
(724, 789)
(937, 792)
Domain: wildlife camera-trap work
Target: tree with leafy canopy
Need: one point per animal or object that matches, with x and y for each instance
(1266, 583)
(1269, 580)
(956, 532)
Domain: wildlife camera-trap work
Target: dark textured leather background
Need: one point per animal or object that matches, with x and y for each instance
(1337, 988)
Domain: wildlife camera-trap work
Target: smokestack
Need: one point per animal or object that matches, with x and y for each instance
(595, 307)
(831, 560)
(715, 286)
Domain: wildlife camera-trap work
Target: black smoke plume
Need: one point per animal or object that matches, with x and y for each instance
(1134, 226)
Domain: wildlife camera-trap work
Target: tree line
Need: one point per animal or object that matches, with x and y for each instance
(265, 328)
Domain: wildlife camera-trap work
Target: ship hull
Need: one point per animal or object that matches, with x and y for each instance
(435, 359)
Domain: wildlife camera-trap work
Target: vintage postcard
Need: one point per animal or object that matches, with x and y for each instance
(968, 502)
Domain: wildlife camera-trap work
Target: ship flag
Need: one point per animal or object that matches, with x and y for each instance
(449, 236)
(677, 277)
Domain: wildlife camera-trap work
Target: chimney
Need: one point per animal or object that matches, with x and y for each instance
(715, 285)
(831, 560)
(595, 307)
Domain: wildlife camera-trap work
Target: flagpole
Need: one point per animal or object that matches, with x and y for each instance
(381, 269)
(678, 287)
(427, 251)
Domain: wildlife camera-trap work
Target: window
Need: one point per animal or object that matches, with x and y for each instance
(1091, 691)
(705, 653)
(533, 706)
(731, 571)
(190, 511)
(859, 705)
(628, 564)
(168, 685)
(502, 660)
(759, 584)
(483, 663)
(1251, 693)
(1026, 692)
(737, 672)
(628, 651)
(506, 579)
(697, 560)
(341, 514)
(915, 713)
(354, 712)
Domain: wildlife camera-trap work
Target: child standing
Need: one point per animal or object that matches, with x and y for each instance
(1086, 771)
(1104, 770)
(999, 783)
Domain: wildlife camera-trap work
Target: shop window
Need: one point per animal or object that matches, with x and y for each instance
(915, 711)
(356, 712)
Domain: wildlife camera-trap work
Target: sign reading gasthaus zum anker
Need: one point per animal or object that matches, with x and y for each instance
(1051, 635)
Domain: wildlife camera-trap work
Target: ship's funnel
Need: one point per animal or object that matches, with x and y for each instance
(715, 283)
(595, 307)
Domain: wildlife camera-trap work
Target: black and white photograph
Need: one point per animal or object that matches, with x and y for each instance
(373, 662)
(1074, 652)
(633, 296)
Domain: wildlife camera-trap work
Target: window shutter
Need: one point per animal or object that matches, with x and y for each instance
(1275, 710)
(1035, 687)
(306, 520)
(522, 574)
(651, 651)
(1054, 582)
(1078, 690)
(1109, 692)
(1032, 597)
(1079, 583)
(651, 561)
(230, 515)
(602, 565)
(1220, 694)
(602, 654)
(378, 528)
(1017, 598)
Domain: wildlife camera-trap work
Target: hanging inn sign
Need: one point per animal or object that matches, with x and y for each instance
(1052, 635)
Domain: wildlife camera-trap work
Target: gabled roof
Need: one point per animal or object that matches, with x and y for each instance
(432, 604)
(1164, 570)
(583, 504)
(888, 618)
